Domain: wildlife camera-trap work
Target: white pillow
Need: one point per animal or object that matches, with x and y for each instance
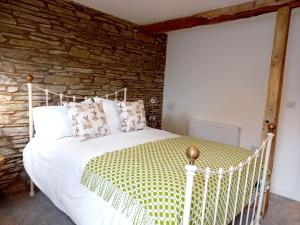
(51, 122)
(87, 101)
(112, 116)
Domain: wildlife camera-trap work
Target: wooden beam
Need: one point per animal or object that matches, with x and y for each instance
(220, 15)
(276, 77)
(277, 69)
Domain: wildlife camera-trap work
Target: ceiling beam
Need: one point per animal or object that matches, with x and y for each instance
(220, 15)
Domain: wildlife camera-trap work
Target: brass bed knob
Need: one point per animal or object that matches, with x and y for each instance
(192, 153)
(271, 127)
(29, 78)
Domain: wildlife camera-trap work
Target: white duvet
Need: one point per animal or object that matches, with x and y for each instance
(56, 168)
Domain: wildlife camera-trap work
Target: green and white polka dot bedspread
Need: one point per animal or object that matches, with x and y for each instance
(147, 182)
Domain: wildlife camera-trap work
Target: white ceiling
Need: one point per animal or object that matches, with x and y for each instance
(150, 11)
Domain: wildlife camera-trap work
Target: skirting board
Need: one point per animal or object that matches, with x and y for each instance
(284, 193)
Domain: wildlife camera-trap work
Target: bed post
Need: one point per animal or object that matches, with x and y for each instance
(192, 154)
(271, 129)
(125, 94)
(29, 85)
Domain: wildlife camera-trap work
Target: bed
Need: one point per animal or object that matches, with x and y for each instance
(59, 167)
(59, 178)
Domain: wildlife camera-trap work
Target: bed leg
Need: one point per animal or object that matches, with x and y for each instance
(29, 85)
(32, 193)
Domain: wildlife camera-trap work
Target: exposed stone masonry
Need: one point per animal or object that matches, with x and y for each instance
(71, 49)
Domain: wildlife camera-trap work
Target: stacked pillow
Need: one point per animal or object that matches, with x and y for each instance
(51, 122)
(88, 119)
(112, 116)
(132, 115)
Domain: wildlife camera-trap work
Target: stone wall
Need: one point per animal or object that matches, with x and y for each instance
(71, 49)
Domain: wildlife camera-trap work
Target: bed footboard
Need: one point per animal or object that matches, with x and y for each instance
(255, 180)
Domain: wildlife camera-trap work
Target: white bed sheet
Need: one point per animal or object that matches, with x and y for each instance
(56, 168)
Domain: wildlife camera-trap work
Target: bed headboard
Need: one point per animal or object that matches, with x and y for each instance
(61, 98)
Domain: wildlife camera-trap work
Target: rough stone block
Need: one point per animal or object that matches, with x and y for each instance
(5, 80)
(2, 38)
(5, 98)
(30, 67)
(60, 10)
(83, 15)
(79, 52)
(30, 17)
(7, 18)
(62, 80)
(34, 44)
(57, 32)
(79, 70)
(57, 52)
(49, 61)
(44, 40)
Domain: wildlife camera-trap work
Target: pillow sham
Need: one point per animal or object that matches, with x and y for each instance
(51, 122)
(111, 111)
(87, 101)
(132, 115)
(88, 120)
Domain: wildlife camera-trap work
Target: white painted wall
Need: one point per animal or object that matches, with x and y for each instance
(220, 73)
(286, 175)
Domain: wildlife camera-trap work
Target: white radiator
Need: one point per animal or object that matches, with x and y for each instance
(212, 131)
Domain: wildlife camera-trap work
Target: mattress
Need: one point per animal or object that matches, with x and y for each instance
(56, 168)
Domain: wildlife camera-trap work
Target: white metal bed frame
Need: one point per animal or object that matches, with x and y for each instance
(61, 98)
(260, 157)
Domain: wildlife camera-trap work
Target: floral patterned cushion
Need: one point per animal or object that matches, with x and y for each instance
(132, 115)
(88, 120)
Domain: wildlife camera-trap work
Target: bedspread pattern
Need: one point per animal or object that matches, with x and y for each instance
(147, 182)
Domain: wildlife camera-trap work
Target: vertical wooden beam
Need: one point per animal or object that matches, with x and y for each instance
(277, 70)
(276, 78)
